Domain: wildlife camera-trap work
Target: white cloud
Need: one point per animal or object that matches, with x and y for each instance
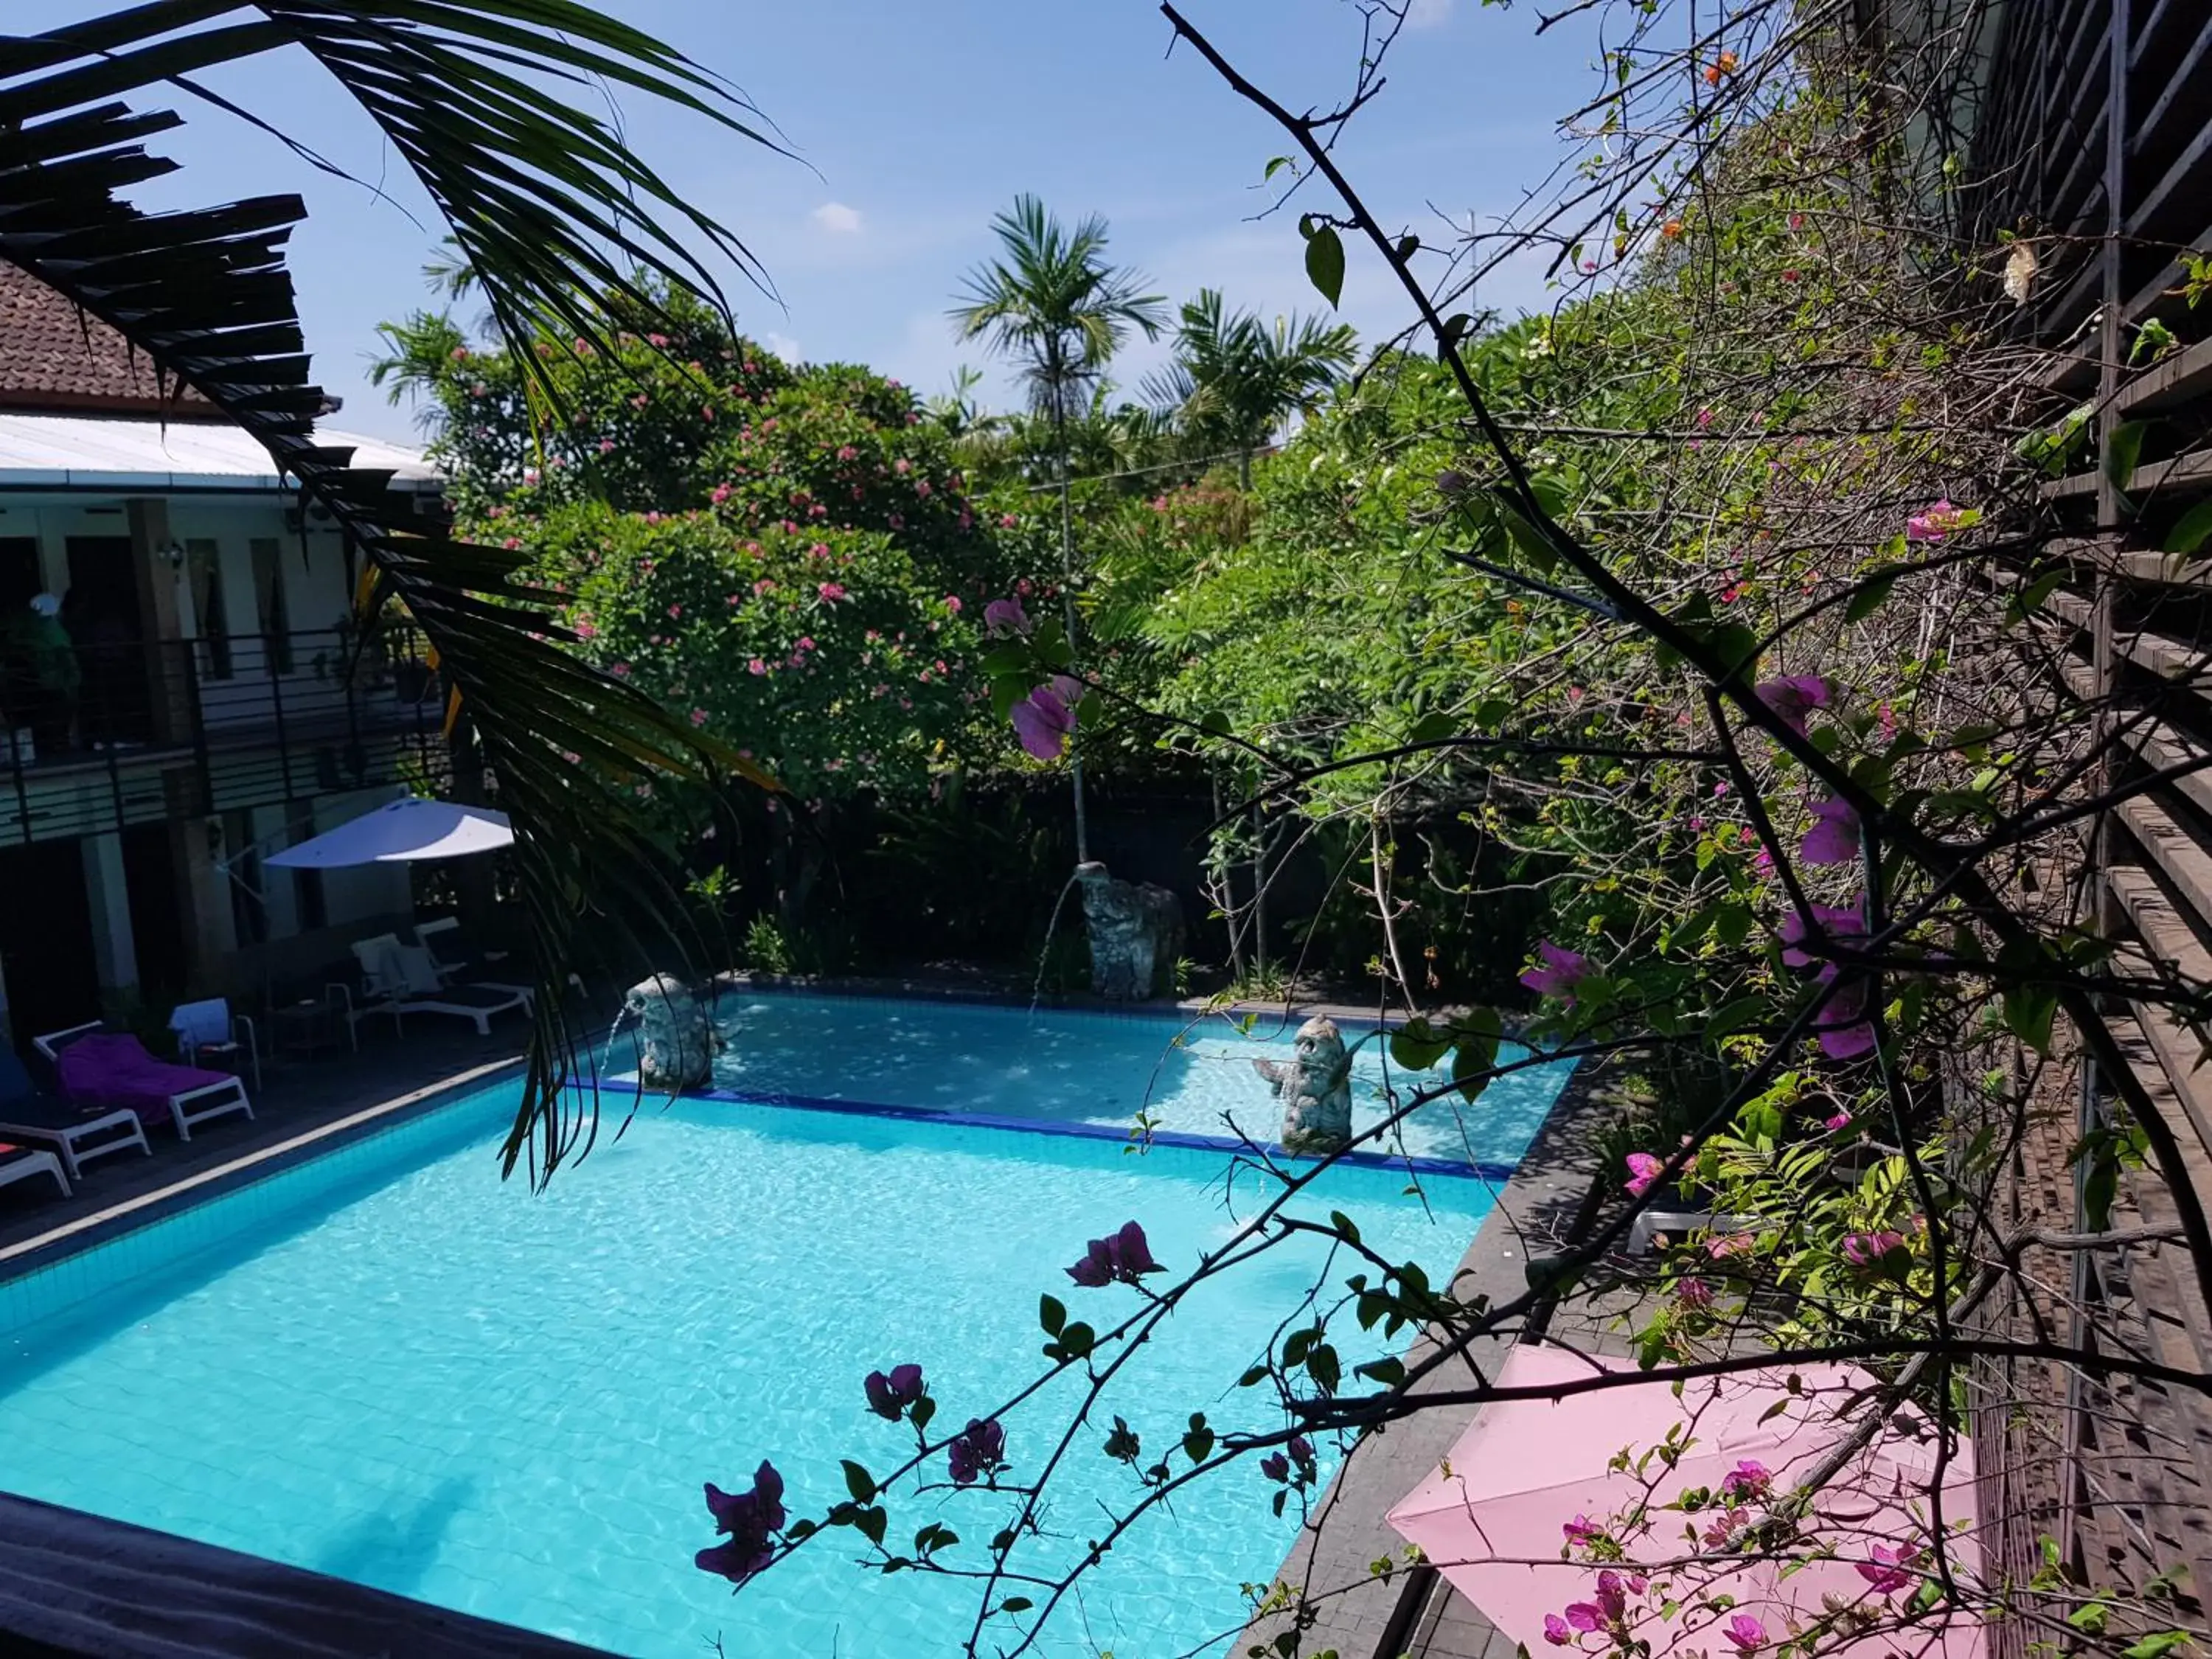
(783, 345)
(838, 219)
(1427, 14)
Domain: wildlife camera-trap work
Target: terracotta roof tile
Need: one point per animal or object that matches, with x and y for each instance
(53, 357)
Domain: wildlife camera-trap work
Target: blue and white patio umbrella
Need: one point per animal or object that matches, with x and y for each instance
(401, 833)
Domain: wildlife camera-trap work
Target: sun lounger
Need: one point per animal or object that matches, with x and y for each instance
(401, 980)
(108, 1068)
(78, 1136)
(21, 1164)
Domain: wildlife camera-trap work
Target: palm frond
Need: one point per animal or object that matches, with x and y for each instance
(547, 207)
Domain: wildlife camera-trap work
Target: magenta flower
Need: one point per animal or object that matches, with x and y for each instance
(889, 1396)
(1834, 836)
(1746, 1482)
(1582, 1529)
(1642, 1170)
(978, 1450)
(1845, 1032)
(1124, 1258)
(1884, 1252)
(830, 591)
(751, 1518)
(1729, 1244)
(1747, 1634)
(1005, 617)
(1794, 697)
(1723, 1528)
(1045, 719)
(1557, 1633)
(1887, 1572)
(1694, 1294)
(1838, 924)
(1838, 1124)
(952, 603)
(1561, 971)
(1932, 524)
(1275, 1467)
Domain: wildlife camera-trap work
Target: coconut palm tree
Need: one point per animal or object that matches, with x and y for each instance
(1052, 305)
(546, 207)
(1234, 381)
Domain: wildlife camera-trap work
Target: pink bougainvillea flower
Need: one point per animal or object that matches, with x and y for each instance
(1883, 1252)
(1728, 1244)
(1838, 924)
(1845, 1030)
(1559, 971)
(1745, 1634)
(698, 717)
(1748, 1481)
(751, 1518)
(1005, 617)
(1933, 524)
(1887, 1572)
(1834, 836)
(1694, 1294)
(830, 592)
(1582, 1529)
(721, 493)
(757, 666)
(1794, 697)
(1642, 1170)
(1837, 1124)
(1045, 719)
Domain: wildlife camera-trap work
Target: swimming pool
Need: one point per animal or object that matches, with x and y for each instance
(1189, 1076)
(386, 1366)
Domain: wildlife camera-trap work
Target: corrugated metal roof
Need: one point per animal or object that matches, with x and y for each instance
(81, 452)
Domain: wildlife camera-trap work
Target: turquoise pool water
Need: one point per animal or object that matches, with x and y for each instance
(389, 1366)
(1193, 1078)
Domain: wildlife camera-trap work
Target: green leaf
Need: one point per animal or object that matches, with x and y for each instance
(1198, 1444)
(1432, 728)
(2191, 530)
(2157, 1645)
(2121, 450)
(1323, 1366)
(1005, 659)
(1052, 1314)
(872, 1524)
(1472, 1062)
(1734, 1016)
(859, 1483)
(1872, 594)
(1418, 1045)
(1389, 1372)
(1276, 166)
(1408, 246)
(2026, 601)
(2028, 1010)
(1344, 1228)
(1325, 263)
(1016, 1604)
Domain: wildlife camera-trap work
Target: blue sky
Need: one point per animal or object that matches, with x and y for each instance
(914, 121)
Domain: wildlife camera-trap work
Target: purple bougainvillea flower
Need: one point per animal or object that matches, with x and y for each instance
(1834, 836)
(1275, 1467)
(1562, 971)
(1585, 1615)
(1557, 1633)
(1642, 1170)
(1612, 1597)
(1845, 1032)
(751, 1518)
(1301, 1450)
(1838, 924)
(1881, 1252)
(1748, 1480)
(1582, 1529)
(1794, 697)
(1694, 1294)
(977, 1451)
(889, 1396)
(1124, 1259)
(1887, 1572)
(1044, 721)
(1747, 1634)
(1003, 618)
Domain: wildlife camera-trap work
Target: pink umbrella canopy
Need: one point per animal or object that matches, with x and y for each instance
(1534, 1515)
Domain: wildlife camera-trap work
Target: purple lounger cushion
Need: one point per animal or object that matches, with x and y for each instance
(115, 1069)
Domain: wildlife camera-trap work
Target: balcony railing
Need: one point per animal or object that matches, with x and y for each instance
(158, 729)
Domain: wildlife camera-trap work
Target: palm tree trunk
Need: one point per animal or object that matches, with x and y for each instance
(1068, 595)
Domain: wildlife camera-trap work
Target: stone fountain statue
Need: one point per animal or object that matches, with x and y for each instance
(676, 1042)
(1314, 1088)
(1135, 928)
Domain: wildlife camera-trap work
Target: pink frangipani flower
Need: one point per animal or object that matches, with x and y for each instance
(1560, 971)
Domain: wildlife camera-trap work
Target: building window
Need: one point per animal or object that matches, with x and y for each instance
(269, 600)
(204, 571)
